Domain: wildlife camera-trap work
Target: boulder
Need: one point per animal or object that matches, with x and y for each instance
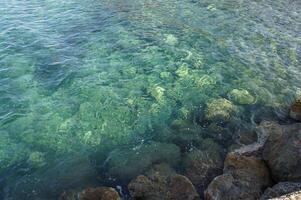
(295, 111)
(180, 187)
(283, 189)
(66, 173)
(99, 193)
(244, 177)
(241, 96)
(201, 166)
(219, 109)
(157, 186)
(125, 164)
(282, 151)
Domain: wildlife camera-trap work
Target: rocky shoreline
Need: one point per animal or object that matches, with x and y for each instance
(267, 167)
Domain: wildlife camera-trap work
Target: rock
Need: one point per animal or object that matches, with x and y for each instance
(295, 111)
(255, 148)
(201, 166)
(241, 96)
(291, 196)
(244, 177)
(184, 134)
(36, 159)
(219, 109)
(171, 39)
(282, 151)
(281, 189)
(144, 188)
(100, 193)
(183, 71)
(125, 164)
(158, 187)
(158, 93)
(73, 172)
(181, 188)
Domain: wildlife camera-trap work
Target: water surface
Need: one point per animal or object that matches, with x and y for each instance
(80, 79)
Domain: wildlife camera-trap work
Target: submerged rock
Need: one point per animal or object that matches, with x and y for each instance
(295, 111)
(125, 164)
(47, 182)
(244, 177)
(219, 109)
(292, 189)
(158, 187)
(171, 39)
(36, 159)
(282, 151)
(201, 166)
(241, 96)
(158, 93)
(100, 193)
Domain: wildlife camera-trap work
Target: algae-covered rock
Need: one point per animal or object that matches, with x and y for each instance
(182, 71)
(201, 166)
(125, 164)
(219, 109)
(100, 193)
(205, 80)
(36, 159)
(171, 39)
(158, 93)
(295, 111)
(158, 187)
(66, 173)
(241, 96)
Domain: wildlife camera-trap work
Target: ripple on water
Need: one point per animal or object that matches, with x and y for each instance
(96, 77)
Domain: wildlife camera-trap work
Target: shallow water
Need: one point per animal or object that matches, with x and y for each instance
(81, 80)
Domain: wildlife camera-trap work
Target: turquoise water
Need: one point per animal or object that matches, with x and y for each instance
(82, 80)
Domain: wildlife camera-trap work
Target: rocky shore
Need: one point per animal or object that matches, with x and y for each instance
(267, 166)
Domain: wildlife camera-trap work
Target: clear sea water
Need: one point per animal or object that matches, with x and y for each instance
(80, 80)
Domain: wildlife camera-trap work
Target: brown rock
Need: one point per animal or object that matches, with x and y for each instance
(295, 111)
(162, 187)
(181, 188)
(244, 177)
(283, 190)
(144, 188)
(100, 193)
(282, 151)
(201, 166)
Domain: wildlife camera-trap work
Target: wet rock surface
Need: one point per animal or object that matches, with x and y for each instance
(282, 151)
(244, 177)
(202, 165)
(281, 189)
(99, 193)
(295, 111)
(159, 186)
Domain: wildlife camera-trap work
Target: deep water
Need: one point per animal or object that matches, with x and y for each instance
(83, 82)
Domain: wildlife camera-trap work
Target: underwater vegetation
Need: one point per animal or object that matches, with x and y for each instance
(115, 87)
